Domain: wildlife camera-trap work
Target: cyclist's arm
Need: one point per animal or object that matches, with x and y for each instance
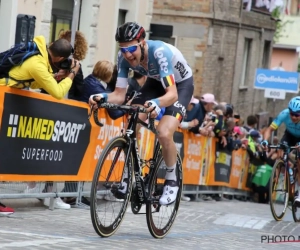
(275, 124)
(118, 96)
(268, 132)
(170, 97)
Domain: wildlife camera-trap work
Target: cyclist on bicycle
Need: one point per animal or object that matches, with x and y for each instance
(291, 118)
(169, 84)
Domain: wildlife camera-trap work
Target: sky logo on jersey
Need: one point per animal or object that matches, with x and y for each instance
(168, 81)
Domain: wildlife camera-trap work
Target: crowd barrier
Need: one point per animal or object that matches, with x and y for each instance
(43, 139)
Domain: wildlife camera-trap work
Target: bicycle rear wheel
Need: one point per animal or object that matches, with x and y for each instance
(279, 190)
(161, 218)
(108, 204)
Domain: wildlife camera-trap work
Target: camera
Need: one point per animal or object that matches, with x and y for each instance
(212, 116)
(65, 64)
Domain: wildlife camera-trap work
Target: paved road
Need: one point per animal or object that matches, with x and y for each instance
(199, 225)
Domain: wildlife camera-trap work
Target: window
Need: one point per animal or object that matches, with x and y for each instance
(61, 19)
(162, 33)
(266, 54)
(246, 62)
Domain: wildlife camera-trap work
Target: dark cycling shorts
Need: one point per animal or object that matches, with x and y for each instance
(153, 89)
(290, 139)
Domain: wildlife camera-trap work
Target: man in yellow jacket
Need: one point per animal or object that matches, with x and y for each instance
(38, 68)
(36, 72)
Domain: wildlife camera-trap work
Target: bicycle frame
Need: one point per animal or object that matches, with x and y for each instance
(130, 134)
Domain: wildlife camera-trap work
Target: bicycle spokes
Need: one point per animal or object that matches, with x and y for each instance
(279, 190)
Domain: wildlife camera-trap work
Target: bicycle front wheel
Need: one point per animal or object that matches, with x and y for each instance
(111, 187)
(160, 218)
(279, 190)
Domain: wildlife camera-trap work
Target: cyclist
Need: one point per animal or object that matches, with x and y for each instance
(291, 118)
(169, 84)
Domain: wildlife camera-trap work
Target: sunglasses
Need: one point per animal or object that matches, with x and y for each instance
(294, 114)
(129, 49)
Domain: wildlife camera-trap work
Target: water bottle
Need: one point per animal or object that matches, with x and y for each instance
(291, 175)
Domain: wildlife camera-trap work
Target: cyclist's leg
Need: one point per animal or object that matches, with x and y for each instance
(166, 128)
(151, 89)
(295, 141)
(292, 141)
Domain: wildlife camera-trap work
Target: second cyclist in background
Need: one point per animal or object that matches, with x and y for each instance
(290, 117)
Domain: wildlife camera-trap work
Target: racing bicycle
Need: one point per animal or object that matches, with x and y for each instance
(282, 191)
(120, 158)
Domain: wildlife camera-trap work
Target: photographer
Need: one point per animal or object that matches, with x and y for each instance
(80, 51)
(36, 72)
(208, 127)
(206, 104)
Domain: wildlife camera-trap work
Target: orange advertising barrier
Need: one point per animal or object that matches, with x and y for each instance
(43, 139)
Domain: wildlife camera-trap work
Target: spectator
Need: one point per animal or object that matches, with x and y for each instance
(258, 158)
(76, 90)
(103, 79)
(97, 81)
(219, 111)
(80, 51)
(206, 104)
(190, 119)
(77, 83)
(251, 123)
(229, 110)
(237, 119)
(39, 70)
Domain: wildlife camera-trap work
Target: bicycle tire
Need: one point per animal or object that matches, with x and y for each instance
(278, 165)
(160, 233)
(102, 230)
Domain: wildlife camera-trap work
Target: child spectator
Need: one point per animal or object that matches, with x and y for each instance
(97, 81)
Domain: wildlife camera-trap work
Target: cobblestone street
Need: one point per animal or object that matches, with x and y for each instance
(199, 225)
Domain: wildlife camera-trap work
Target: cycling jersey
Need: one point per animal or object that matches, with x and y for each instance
(284, 117)
(165, 63)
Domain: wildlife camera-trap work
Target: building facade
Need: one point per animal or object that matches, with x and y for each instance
(97, 19)
(223, 44)
(285, 53)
